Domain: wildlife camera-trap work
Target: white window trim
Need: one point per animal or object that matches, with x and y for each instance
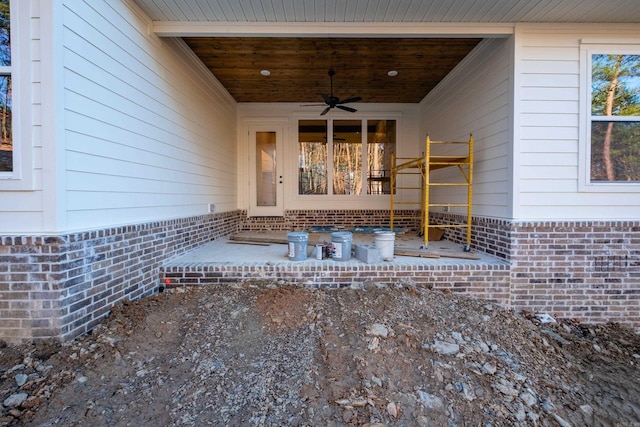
(21, 178)
(587, 49)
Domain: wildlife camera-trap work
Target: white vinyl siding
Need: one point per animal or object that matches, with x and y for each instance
(549, 126)
(148, 132)
(475, 98)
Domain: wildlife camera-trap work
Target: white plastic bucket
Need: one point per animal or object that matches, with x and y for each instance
(341, 245)
(297, 245)
(384, 242)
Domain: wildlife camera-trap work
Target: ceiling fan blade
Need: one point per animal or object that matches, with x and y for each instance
(312, 105)
(345, 108)
(326, 110)
(348, 100)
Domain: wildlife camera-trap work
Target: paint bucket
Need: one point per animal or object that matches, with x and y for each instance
(341, 245)
(297, 245)
(384, 242)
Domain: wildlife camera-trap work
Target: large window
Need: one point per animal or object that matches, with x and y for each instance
(6, 134)
(345, 157)
(614, 117)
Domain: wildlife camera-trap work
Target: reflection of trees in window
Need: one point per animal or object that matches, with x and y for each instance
(312, 157)
(347, 157)
(615, 118)
(343, 156)
(6, 136)
(381, 145)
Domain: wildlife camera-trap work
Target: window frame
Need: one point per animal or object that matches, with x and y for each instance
(21, 178)
(588, 48)
(364, 119)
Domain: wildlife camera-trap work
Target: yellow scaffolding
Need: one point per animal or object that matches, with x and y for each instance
(423, 166)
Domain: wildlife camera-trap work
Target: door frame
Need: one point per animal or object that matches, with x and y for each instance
(278, 127)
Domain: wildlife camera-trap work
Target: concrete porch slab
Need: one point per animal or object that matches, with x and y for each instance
(228, 251)
(225, 262)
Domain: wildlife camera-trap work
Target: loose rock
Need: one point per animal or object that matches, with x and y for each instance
(446, 348)
(15, 400)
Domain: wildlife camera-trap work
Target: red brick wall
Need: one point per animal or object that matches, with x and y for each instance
(488, 235)
(61, 286)
(490, 282)
(304, 219)
(584, 270)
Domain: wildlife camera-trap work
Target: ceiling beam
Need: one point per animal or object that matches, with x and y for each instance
(329, 29)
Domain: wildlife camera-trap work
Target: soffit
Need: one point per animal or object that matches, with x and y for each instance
(463, 11)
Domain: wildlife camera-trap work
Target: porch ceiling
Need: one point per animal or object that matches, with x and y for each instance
(299, 58)
(299, 66)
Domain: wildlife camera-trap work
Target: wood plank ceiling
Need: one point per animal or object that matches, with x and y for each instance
(299, 66)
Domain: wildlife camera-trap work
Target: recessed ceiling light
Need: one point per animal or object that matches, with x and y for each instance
(265, 73)
(392, 73)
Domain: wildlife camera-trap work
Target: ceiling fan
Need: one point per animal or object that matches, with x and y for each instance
(332, 101)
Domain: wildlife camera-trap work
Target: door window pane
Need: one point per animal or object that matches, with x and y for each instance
(266, 168)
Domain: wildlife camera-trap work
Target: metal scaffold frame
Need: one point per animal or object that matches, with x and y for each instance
(423, 166)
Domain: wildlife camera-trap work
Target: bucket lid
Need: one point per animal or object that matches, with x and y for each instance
(298, 234)
(341, 234)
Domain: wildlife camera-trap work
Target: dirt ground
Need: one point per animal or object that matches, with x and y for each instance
(254, 354)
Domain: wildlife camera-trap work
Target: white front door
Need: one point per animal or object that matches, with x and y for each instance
(266, 170)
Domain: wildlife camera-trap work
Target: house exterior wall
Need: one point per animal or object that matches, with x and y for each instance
(149, 133)
(575, 250)
(133, 129)
(549, 134)
(475, 98)
(131, 139)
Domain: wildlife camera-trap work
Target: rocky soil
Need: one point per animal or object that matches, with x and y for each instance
(255, 354)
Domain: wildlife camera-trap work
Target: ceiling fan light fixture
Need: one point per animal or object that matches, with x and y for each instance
(392, 73)
(265, 73)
